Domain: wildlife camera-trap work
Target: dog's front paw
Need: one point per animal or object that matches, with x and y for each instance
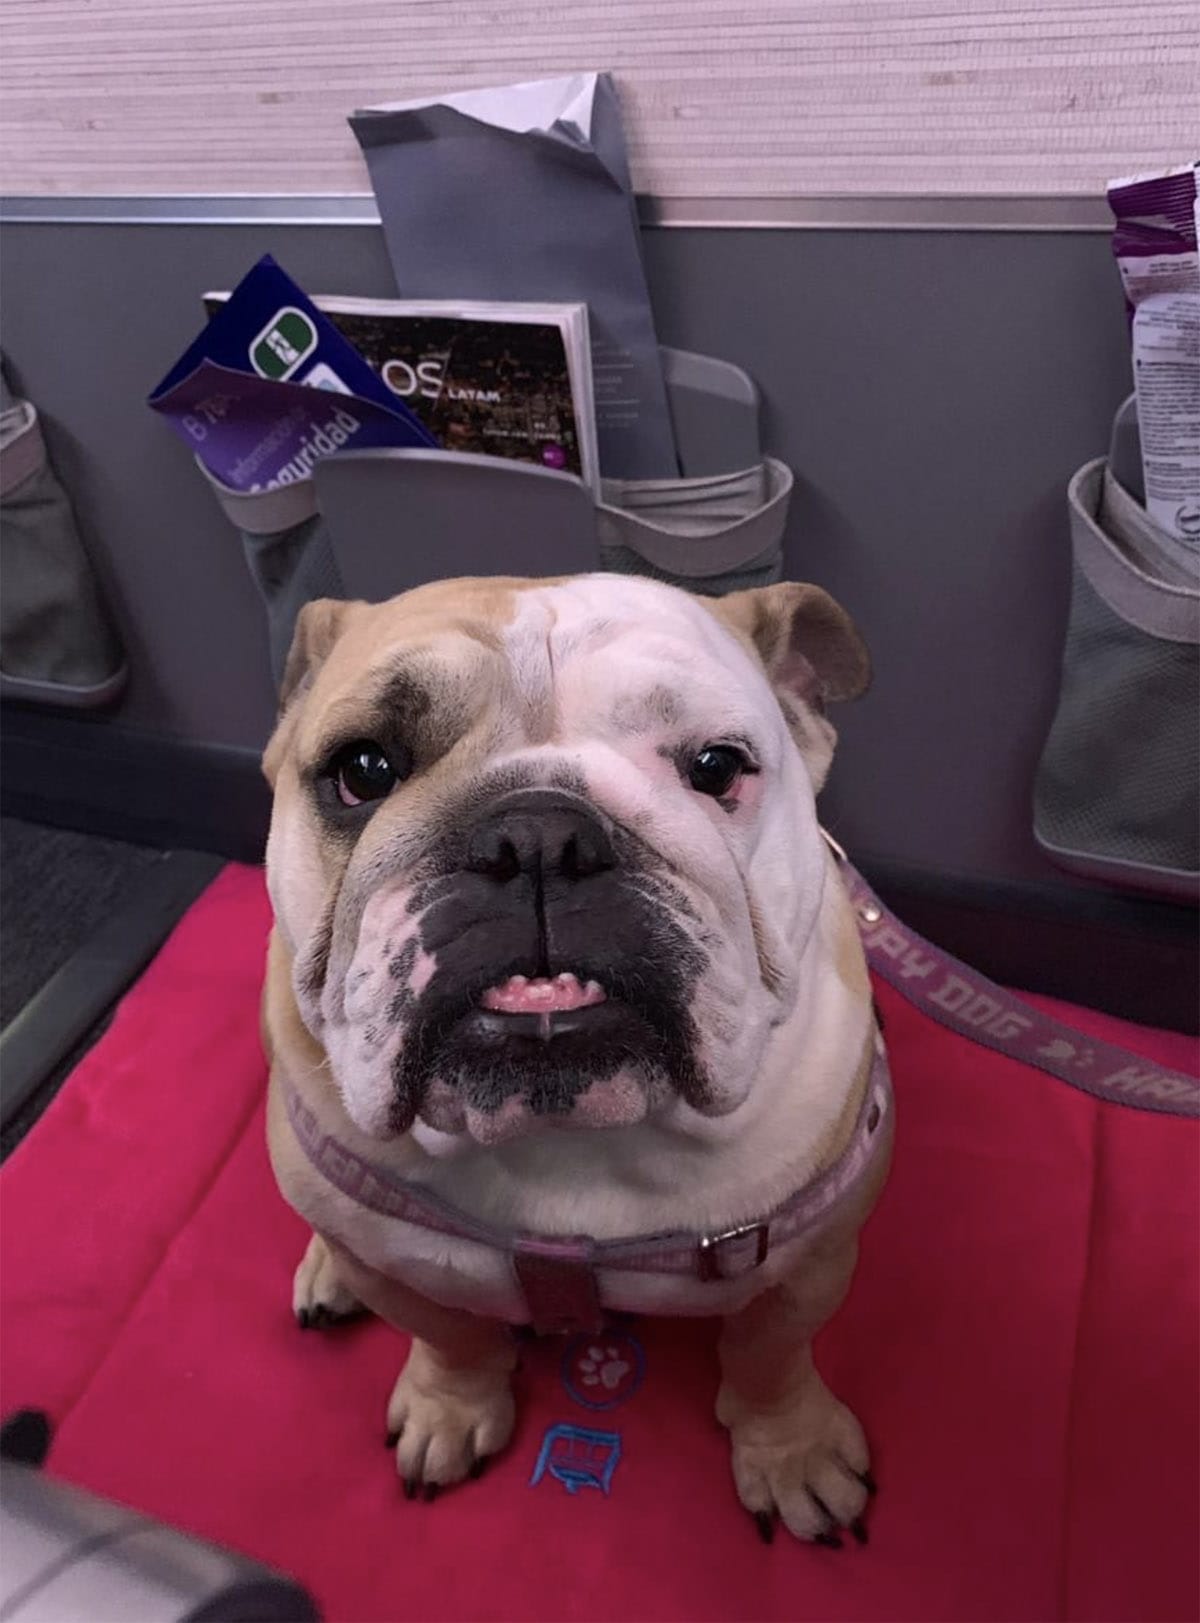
(807, 1463)
(444, 1425)
(319, 1298)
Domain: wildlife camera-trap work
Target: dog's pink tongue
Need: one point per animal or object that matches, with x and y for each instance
(542, 995)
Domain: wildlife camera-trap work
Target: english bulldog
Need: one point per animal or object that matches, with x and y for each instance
(566, 1006)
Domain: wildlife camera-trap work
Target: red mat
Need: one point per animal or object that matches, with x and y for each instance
(1020, 1343)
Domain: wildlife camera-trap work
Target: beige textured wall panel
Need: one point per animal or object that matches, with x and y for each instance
(766, 98)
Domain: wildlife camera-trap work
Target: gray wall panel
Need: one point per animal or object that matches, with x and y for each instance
(933, 392)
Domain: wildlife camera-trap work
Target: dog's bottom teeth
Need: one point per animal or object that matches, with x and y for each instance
(544, 994)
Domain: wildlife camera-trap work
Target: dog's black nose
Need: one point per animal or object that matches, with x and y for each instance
(548, 836)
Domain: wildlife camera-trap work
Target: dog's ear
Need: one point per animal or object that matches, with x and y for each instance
(318, 626)
(812, 653)
(808, 644)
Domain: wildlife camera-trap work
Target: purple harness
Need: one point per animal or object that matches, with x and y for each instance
(558, 1275)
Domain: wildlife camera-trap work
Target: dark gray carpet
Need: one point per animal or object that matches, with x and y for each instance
(56, 888)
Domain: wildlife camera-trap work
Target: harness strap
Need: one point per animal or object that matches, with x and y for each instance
(560, 1271)
(558, 1279)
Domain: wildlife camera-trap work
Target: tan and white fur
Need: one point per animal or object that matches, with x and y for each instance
(603, 684)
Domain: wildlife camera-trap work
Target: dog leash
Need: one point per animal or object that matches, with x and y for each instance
(966, 1002)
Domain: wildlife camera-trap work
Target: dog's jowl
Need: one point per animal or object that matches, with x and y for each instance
(566, 1006)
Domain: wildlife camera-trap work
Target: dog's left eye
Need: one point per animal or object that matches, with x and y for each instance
(362, 771)
(716, 769)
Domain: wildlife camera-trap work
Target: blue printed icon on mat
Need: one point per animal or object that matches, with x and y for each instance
(578, 1457)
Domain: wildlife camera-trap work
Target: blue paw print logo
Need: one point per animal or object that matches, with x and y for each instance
(601, 1372)
(598, 1372)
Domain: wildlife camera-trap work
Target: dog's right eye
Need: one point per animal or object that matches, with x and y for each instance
(362, 771)
(716, 769)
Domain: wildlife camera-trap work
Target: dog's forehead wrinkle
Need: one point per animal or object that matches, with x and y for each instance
(528, 646)
(639, 712)
(588, 614)
(667, 676)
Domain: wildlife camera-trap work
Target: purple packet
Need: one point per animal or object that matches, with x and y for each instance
(270, 385)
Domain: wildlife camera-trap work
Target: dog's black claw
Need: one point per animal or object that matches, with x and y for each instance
(321, 1317)
(868, 1482)
(391, 1439)
(410, 1487)
(859, 1528)
(476, 1468)
(432, 1489)
(765, 1523)
(830, 1541)
(830, 1518)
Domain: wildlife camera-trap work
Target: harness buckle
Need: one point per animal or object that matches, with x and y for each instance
(714, 1251)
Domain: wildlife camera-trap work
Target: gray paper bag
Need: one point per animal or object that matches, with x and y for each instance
(523, 193)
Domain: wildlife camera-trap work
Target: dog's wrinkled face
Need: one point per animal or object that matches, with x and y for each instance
(545, 854)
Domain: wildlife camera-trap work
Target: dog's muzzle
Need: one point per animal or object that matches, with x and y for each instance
(561, 986)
